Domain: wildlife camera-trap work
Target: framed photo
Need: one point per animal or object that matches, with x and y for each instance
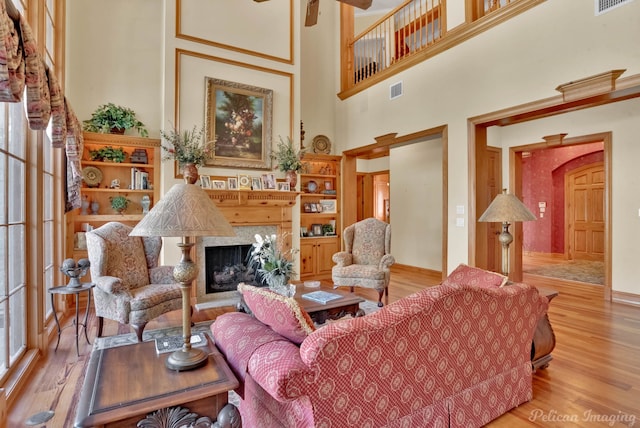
(205, 182)
(316, 229)
(284, 187)
(218, 184)
(244, 182)
(328, 185)
(307, 207)
(318, 208)
(268, 182)
(256, 183)
(232, 183)
(328, 206)
(314, 208)
(239, 123)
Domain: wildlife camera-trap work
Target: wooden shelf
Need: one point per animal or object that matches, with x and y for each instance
(252, 197)
(106, 190)
(98, 164)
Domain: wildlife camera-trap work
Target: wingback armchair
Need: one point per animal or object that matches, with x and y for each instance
(130, 286)
(366, 259)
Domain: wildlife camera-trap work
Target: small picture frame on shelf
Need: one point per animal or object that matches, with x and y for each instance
(318, 208)
(244, 182)
(268, 182)
(316, 229)
(314, 208)
(307, 207)
(284, 187)
(232, 183)
(218, 184)
(256, 183)
(328, 185)
(328, 206)
(205, 182)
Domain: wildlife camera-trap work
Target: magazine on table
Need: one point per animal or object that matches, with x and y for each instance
(173, 343)
(321, 296)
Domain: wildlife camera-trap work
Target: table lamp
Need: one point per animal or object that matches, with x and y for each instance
(506, 208)
(185, 211)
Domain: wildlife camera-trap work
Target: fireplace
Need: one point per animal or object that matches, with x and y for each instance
(250, 213)
(226, 266)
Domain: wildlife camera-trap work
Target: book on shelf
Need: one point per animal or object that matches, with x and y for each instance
(321, 296)
(173, 343)
(139, 179)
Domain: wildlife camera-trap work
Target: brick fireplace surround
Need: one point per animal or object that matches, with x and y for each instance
(249, 212)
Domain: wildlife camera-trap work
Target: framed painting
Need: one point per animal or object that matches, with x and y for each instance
(239, 123)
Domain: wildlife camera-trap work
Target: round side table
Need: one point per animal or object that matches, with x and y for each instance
(76, 291)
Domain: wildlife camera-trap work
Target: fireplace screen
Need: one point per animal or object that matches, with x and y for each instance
(226, 267)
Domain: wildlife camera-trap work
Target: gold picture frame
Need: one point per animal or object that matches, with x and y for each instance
(239, 124)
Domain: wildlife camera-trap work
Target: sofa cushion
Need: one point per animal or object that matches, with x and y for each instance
(282, 314)
(468, 275)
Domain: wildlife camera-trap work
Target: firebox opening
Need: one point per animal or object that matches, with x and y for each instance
(226, 267)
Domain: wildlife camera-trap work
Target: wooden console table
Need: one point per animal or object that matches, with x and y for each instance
(543, 339)
(129, 384)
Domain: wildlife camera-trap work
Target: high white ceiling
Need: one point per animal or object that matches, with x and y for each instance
(378, 7)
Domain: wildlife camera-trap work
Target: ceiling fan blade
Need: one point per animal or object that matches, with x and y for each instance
(360, 4)
(313, 7)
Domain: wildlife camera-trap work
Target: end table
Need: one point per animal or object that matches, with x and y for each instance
(76, 291)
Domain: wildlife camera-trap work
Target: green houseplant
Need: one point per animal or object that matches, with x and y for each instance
(111, 118)
(108, 153)
(119, 203)
(289, 160)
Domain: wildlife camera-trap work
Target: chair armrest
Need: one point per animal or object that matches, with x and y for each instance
(110, 284)
(342, 258)
(161, 275)
(386, 261)
(279, 370)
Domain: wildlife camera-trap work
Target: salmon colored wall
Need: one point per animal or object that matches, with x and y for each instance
(543, 174)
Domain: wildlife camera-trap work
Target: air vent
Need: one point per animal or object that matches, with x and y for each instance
(603, 6)
(395, 91)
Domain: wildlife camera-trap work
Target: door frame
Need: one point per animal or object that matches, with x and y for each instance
(515, 183)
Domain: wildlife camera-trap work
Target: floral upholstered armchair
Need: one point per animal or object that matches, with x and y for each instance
(130, 286)
(366, 259)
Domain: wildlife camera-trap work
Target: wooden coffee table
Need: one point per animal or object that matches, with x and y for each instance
(126, 384)
(348, 304)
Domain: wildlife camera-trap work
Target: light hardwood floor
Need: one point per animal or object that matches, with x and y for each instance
(593, 380)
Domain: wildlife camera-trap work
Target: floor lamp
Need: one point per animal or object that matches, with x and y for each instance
(506, 208)
(185, 211)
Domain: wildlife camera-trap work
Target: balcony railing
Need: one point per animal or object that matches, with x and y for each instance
(403, 32)
(409, 29)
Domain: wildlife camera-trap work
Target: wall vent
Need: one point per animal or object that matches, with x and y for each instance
(395, 90)
(603, 6)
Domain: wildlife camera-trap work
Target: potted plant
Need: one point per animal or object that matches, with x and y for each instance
(111, 118)
(272, 263)
(188, 148)
(119, 203)
(289, 160)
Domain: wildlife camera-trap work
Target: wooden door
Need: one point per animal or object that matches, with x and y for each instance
(381, 197)
(325, 249)
(584, 208)
(494, 187)
(307, 256)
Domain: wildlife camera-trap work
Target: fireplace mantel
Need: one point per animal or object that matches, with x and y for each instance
(253, 198)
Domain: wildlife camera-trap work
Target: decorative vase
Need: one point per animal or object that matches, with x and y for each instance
(190, 173)
(84, 205)
(292, 178)
(95, 206)
(280, 285)
(146, 203)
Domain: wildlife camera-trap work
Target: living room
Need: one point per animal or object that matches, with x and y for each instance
(157, 65)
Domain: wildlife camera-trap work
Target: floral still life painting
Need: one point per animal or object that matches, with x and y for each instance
(239, 123)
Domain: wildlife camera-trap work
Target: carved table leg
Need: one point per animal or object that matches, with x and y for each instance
(229, 417)
(544, 340)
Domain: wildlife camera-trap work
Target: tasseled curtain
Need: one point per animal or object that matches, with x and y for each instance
(22, 66)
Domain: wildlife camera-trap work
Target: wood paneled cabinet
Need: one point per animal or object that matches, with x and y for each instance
(315, 257)
(137, 178)
(319, 214)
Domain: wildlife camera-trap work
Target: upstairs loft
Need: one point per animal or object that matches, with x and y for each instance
(413, 32)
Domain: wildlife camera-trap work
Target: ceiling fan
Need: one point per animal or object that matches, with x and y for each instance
(313, 7)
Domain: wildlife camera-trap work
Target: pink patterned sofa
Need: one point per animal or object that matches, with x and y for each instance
(453, 355)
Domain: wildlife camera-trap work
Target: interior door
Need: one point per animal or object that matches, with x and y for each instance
(494, 186)
(584, 226)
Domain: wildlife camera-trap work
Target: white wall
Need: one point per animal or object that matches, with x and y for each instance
(519, 61)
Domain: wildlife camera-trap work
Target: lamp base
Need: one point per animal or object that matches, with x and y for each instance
(186, 359)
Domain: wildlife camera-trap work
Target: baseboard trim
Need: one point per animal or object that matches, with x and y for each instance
(434, 274)
(625, 298)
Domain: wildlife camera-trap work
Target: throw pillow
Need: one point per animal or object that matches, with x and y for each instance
(468, 275)
(282, 314)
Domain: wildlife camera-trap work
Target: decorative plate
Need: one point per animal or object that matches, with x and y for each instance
(321, 144)
(312, 186)
(92, 176)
